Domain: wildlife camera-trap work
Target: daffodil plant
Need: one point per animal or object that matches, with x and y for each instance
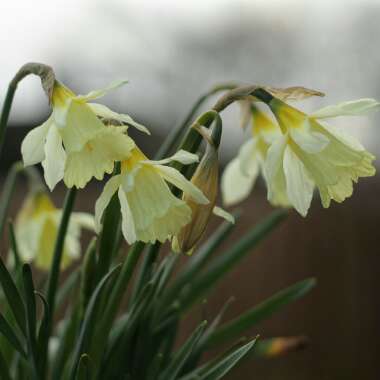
(116, 312)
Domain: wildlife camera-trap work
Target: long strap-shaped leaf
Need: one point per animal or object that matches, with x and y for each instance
(216, 370)
(13, 297)
(180, 358)
(227, 261)
(11, 336)
(4, 369)
(87, 329)
(233, 329)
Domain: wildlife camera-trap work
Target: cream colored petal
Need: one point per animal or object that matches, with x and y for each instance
(109, 190)
(32, 147)
(177, 179)
(61, 112)
(103, 111)
(101, 92)
(308, 140)
(235, 185)
(97, 157)
(218, 211)
(350, 108)
(82, 125)
(55, 157)
(248, 158)
(128, 225)
(298, 183)
(181, 156)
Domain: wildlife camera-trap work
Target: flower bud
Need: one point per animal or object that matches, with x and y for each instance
(205, 179)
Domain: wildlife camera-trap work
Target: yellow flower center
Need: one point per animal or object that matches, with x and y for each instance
(287, 116)
(135, 157)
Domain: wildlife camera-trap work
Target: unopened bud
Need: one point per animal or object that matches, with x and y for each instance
(206, 179)
(273, 347)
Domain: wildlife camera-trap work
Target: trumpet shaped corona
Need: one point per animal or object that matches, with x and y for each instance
(310, 154)
(36, 230)
(241, 172)
(74, 144)
(149, 210)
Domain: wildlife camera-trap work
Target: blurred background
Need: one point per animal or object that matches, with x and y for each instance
(171, 52)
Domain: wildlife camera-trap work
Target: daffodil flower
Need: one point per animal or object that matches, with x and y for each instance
(74, 144)
(241, 172)
(310, 154)
(36, 230)
(149, 210)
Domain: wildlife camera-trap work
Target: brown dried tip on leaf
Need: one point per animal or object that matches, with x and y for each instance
(293, 93)
(45, 72)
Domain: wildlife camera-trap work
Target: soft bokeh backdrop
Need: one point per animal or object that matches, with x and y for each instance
(171, 51)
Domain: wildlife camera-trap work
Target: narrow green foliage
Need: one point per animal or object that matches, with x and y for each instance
(4, 369)
(13, 246)
(7, 192)
(84, 368)
(228, 260)
(88, 326)
(264, 310)
(179, 358)
(219, 368)
(11, 336)
(13, 297)
(31, 324)
(43, 329)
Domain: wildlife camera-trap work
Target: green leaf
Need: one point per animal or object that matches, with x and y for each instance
(84, 368)
(30, 317)
(45, 320)
(86, 332)
(179, 359)
(228, 260)
(11, 336)
(4, 369)
(13, 246)
(8, 190)
(88, 275)
(233, 329)
(65, 288)
(13, 297)
(197, 261)
(217, 369)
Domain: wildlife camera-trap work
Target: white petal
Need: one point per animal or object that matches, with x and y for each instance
(84, 220)
(103, 111)
(101, 92)
(128, 225)
(343, 137)
(55, 157)
(273, 161)
(108, 191)
(235, 185)
(32, 147)
(350, 108)
(177, 179)
(309, 141)
(181, 156)
(248, 158)
(298, 183)
(218, 211)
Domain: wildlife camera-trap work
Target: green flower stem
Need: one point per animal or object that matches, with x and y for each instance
(7, 193)
(55, 267)
(176, 133)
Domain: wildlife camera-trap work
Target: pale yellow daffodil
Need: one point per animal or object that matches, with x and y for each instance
(241, 172)
(36, 230)
(74, 144)
(149, 210)
(310, 154)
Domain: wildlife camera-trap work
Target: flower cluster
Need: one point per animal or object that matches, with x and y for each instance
(294, 152)
(297, 153)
